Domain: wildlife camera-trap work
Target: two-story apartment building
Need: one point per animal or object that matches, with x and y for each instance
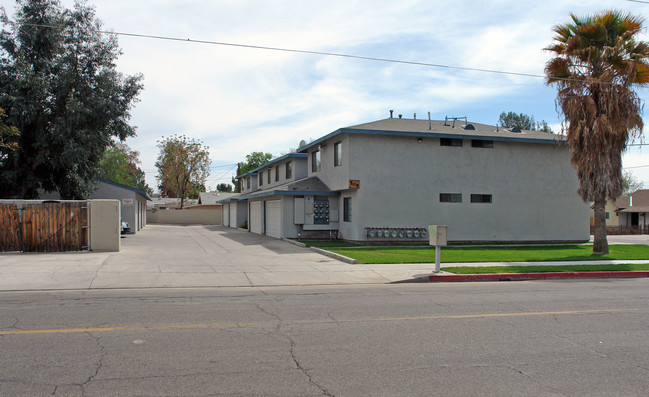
(389, 179)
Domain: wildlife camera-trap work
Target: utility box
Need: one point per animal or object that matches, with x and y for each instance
(437, 235)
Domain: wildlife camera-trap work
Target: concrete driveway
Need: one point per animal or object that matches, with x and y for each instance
(192, 256)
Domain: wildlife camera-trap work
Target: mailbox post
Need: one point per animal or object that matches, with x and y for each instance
(437, 237)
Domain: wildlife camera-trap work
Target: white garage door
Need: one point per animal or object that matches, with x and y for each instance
(226, 215)
(233, 215)
(255, 217)
(274, 218)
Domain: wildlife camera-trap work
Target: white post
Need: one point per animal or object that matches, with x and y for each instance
(437, 259)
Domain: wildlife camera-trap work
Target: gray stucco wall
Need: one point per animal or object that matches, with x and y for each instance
(134, 214)
(533, 188)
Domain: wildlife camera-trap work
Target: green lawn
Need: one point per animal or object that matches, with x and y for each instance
(366, 255)
(545, 269)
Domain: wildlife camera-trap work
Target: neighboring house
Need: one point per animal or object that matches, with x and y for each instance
(633, 211)
(611, 214)
(169, 203)
(390, 179)
(133, 201)
(211, 200)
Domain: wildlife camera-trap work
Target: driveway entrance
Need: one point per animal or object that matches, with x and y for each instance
(192, 256)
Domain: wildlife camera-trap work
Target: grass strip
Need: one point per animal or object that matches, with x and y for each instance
(545, 269)
(553, 253)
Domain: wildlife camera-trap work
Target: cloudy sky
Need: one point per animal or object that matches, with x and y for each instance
(238, 100)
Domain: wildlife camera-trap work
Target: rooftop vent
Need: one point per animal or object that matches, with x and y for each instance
(469, 127)
(454, 119)
(515, 129)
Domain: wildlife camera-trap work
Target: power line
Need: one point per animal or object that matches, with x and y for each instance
(324, 53)
(299, 51)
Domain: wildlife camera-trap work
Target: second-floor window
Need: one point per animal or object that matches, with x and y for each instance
(269, 176)
(482, 143)
(289, 170)
(450, 197)
(248, 183)
(338, 154)
(261, 178)
(315, 161)
(481, 198)
(277, 174)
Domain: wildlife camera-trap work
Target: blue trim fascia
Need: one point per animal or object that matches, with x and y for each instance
(411, 134)
(109, 182)
(273, 161)
(294, 193)
(284, 157)
(249, 173)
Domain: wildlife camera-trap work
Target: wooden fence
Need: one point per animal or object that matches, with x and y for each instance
(44, 227)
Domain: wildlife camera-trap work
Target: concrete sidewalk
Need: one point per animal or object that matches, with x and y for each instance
(170, 256)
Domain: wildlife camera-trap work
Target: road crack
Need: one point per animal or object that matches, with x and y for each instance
(99, 365)
(279, 329)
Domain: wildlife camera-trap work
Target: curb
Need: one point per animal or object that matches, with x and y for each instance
(339, 257)
(534, 276)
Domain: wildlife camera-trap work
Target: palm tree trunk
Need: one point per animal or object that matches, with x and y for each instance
(600, 244)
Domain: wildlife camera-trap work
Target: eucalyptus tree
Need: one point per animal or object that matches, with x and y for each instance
(61, 90)
(597, 62)
(183, 166)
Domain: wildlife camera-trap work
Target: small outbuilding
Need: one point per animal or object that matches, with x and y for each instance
(133, 201)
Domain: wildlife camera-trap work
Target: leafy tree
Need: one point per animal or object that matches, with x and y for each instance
(183, 167)
(253, 160)
(224, 187)
(8, 138)
(60, 88)
(522, 121)
(631, 183)
(597, 62)
(120, 164)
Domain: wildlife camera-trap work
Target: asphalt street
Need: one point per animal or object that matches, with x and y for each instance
(550, 338)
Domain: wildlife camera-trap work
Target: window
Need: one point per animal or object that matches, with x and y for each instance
(289, 170)
(261, 178)
(347, 209)
(608, 215)
(481, 143)
(315, 161)
(481, 198)
(450, 142)
(338, 154)
(269, 176)
(277, 174)
(248, 183)
(450, 197)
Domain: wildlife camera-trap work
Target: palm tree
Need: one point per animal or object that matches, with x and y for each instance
(596, 65)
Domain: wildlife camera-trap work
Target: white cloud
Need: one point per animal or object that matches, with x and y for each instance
(240, 100)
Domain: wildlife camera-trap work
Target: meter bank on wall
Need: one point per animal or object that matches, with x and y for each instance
(387, 180)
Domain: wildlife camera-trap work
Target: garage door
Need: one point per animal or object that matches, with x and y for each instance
(255, 217)
(274, 218)
(233, 215)
(226, 215)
